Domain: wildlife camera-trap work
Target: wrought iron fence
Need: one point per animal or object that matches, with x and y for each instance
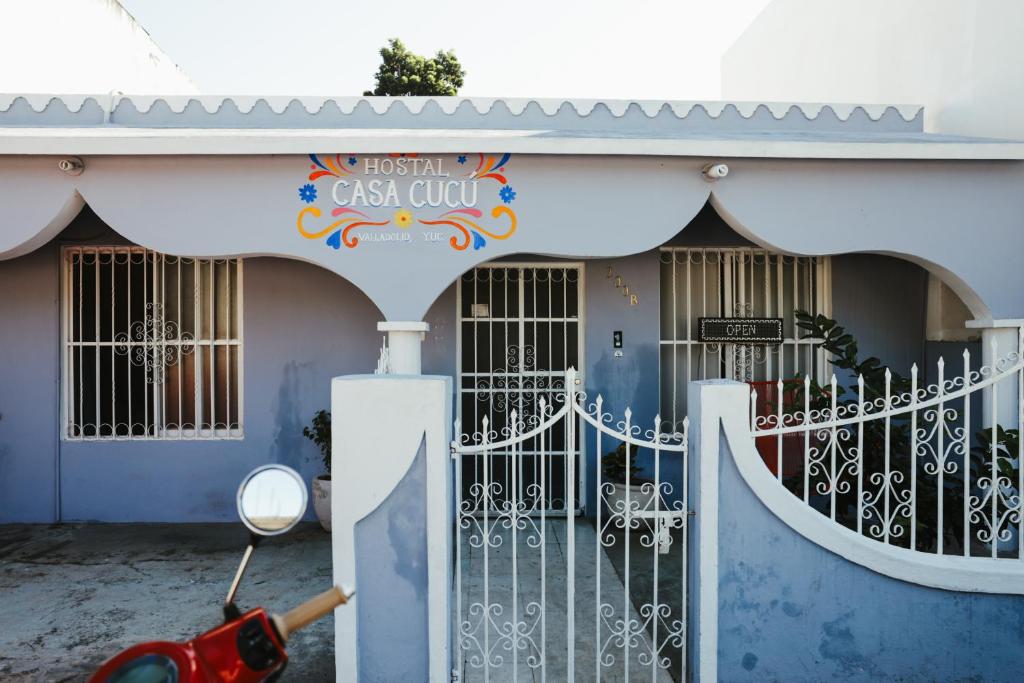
(928, 468)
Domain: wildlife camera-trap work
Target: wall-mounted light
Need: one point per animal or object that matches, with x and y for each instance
(713, 172)
(71, 165)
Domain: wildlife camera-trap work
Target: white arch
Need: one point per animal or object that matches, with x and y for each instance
(975, 304)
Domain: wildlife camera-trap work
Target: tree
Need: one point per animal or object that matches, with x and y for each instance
(403, 73)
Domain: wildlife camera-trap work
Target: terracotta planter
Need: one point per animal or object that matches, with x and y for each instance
(792, 456)
(322, 500)
(792, 452)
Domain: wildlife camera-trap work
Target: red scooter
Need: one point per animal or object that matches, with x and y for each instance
(246, 648)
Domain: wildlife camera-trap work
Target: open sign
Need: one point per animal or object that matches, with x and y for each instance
(739, 330)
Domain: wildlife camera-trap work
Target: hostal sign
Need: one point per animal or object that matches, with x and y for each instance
(460, 200)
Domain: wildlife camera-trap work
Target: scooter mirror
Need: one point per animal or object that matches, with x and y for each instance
(272, 499)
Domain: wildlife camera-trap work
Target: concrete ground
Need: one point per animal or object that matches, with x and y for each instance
(73, 595)
(488, 651)
(671, 582)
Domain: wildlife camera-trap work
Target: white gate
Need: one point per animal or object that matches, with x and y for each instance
(540, 596)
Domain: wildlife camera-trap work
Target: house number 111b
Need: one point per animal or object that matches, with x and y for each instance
(620, 284)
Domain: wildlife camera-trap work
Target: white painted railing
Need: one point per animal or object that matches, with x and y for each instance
(909, 466)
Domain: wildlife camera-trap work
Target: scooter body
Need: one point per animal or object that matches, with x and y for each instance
(246, 648)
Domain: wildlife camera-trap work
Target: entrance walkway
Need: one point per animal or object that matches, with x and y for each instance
(73, 595)
(544, 640)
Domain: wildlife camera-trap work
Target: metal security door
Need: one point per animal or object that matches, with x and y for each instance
(739, 282)
(520, 330)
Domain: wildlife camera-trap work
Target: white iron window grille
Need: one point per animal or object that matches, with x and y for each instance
(519, 329)
(742, 282)
(152, 345)
(912, 466)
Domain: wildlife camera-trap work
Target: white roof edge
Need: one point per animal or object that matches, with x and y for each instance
(186, 142)
(583, 106)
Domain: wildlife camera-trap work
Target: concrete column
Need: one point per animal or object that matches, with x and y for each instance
(405, 340)
(1000, 339)
(391, 513)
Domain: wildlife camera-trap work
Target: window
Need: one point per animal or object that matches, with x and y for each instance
(152, 345)
(739, 282)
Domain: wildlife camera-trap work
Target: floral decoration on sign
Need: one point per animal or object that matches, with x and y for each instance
(382, 198)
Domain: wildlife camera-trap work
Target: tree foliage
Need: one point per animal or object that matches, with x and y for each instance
(402, 72)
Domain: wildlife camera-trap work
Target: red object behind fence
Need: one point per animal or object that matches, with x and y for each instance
(792, 445)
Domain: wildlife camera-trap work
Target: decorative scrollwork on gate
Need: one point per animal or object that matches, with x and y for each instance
(519, 376)
(154, 343)
(507, 522)
(928, 479)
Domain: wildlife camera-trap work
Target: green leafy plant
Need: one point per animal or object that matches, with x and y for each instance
(844, 352)
(319, 432)
(404, 73)
(1007, 445)
(615, 463)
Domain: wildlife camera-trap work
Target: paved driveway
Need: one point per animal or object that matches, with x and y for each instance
(73, 595)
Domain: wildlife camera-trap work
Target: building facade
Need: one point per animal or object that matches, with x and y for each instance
(185, 277)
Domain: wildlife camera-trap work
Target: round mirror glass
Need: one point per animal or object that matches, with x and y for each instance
(272, 499)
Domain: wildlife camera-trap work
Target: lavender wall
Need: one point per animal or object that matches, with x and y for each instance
(302, 326)
(789, 610)
(391, 572)
(29, 357)
(249, 205)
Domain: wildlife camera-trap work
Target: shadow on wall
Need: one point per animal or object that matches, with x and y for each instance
(289, 446)
(627, 382)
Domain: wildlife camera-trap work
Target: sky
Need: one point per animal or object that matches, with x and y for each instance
(612, 49)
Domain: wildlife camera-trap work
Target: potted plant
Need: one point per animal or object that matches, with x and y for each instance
(793, 443)
(319, 432)
(614, 466)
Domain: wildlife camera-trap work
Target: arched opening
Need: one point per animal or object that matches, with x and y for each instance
(153, 382)
(967, 295)
(895, 308)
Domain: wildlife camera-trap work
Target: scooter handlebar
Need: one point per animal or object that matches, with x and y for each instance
(311, 610)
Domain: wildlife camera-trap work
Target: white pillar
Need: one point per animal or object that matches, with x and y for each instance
(999, 339)
(405, 339)
(384, 427)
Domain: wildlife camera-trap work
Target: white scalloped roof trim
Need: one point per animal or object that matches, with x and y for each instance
(583, 107)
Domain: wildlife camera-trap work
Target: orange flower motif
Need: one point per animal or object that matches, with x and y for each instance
(403, 218)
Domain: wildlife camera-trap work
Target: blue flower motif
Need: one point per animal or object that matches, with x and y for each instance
(351, 161)
(478, 241)
(507, 194)
(462, 158)
(307, 193)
